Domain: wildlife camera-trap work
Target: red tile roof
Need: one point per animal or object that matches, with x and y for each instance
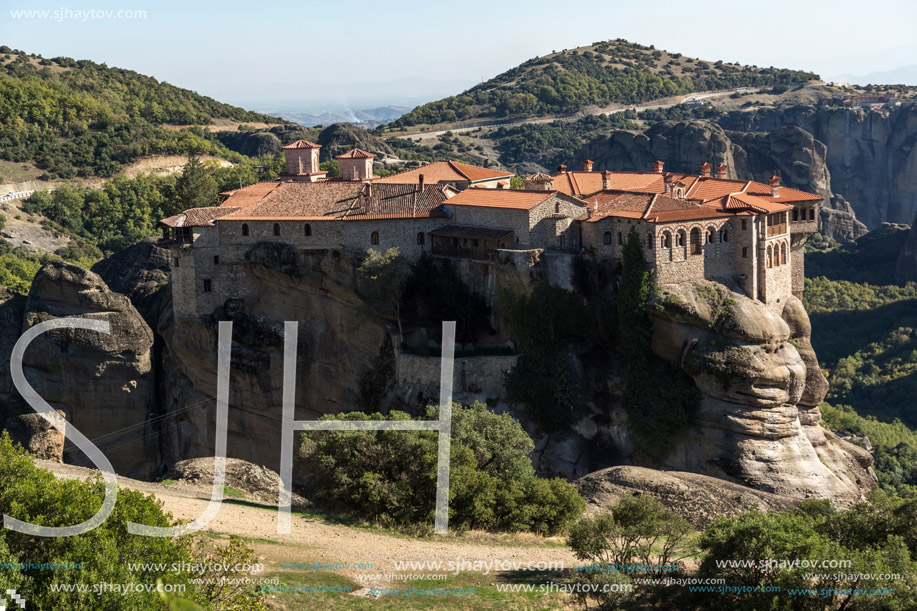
(198, 217)
(303, 144)
(356, 154)
(445, 171)
(345, 201)
(501, 198)
(653, 207)
(251, 194)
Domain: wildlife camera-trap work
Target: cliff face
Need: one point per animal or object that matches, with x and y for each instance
(103, 384)
(792, 152)
(870, 154)
(761, 385)
(343, 358)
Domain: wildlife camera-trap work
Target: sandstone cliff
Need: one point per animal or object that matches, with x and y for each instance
(791, 152)
(870, 154)
(761, 385)
(103, 384)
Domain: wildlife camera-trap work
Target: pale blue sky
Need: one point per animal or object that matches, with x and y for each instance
(355, 53)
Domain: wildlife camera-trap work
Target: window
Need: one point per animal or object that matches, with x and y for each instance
(649, 240)
(244, 229)
(620, 239)
(745, 252)
(724, 237)
(177, 261)
(307, 230)
(666, 242)
(474, 243)
(795, 214)
(680, 239)
(744, 224)
(811, 214)
(557, 208)
(783, 254)
(276, 229)
(562, 240)
(770, 257)
(208, 285)
(710, 235)
(374, 238)
(607, 238)
(420, 238)
(216, 259)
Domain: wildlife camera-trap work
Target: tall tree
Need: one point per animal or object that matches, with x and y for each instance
(196, 187)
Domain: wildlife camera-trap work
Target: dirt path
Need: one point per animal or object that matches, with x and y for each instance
(313, 540)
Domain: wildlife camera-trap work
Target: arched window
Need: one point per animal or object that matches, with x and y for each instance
(680, 238)
(420, 238)
(666, 240)
(620, 239)
(307, 230)
(649, 240)
(695, 241)
(811, 214)
(557, 208)
(374, 238)
(276, 229)
(607, 237)
(244, 229)
(710, 235)
(770, 257)
(724, 234)
(783, 254)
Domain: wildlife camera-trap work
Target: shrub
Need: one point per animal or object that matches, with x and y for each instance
(390, 476)
(34, 495)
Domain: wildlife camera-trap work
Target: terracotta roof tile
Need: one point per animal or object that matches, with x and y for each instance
(444, 171)
(654, 207)
(356, 154)
(252, 194)
(345, 201)
(501, 198)
(198, 217)
(303, 144)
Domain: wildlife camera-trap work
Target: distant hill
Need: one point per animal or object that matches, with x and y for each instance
(79, 118)
(601, 74)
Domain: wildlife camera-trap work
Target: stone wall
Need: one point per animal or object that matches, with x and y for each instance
(478, 375)
(498, 218)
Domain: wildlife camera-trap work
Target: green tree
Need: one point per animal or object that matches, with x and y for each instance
(196, 187)
(382, 278)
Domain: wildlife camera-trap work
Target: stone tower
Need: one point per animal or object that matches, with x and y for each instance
(356, 165)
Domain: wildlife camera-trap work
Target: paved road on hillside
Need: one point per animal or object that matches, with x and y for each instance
(686, 99)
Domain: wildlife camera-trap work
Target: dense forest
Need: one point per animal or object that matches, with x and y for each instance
(79, 118)
(601, 74)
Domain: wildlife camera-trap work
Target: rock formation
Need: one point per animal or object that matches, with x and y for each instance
(700, 499)
(761, 386)
(791, 152)
(343, 358)
(870, 153)
(103, 384)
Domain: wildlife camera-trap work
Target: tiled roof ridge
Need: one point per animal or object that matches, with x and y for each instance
(302, 144)
(456, 168)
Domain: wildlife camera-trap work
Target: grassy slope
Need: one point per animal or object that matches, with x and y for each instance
(597, 75)
(78, 118)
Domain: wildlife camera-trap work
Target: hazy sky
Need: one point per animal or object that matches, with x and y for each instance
(338, 54)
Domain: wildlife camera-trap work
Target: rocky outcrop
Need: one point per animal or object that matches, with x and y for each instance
(345, 359)
(870, 153)
(141, 273)
(265, 142)
(791, 152)
(700, 499)
(103, 384)
(761, 387)
(341, 137)
(258, 481)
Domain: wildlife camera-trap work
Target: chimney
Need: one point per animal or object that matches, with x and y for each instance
(775, 186)
(561, 169)
(420, 182)
(657, 167)
(369, 189)
(722, 170)
(705, 169)
(587, 165)
(605, 185)
(668, 180)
